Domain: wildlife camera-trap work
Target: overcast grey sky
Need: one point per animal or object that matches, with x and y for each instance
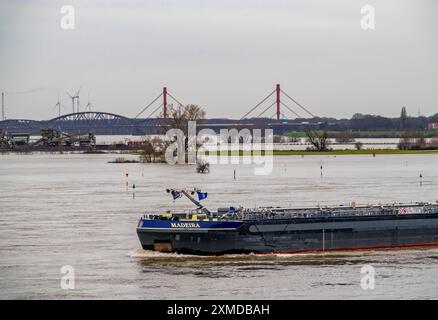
(223, 55)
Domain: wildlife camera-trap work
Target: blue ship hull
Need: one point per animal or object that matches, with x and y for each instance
(288, 235)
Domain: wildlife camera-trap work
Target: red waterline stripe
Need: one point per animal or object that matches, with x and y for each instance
(426, 244)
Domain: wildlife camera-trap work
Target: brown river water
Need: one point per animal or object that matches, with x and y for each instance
(74, 210)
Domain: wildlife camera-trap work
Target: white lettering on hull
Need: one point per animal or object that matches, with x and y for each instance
(184, 225)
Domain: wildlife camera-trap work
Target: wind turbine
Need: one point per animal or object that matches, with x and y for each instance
(77, 98)
(89, 105)
(58, 105)
(73, 98)
(72, 102)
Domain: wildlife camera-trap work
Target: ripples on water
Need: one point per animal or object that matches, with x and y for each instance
(302, 276)
(74, 210)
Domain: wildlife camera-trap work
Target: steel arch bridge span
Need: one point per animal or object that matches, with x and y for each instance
(19, 121)
(20, 125)
(89, 116)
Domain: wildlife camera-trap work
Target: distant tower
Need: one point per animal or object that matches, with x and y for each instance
(403, 118)
(165, 102)
(277, 90)
(3, 106)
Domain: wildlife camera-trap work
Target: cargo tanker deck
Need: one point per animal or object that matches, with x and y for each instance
(288, 230)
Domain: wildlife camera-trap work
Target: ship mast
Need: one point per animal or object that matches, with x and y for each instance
(193, 200)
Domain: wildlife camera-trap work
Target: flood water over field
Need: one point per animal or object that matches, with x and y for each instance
(65, 209)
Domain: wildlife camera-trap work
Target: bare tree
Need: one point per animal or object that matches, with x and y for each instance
(433, 143)
(202, 166)
(412, 140)
(277, 139)
(318, 140)
(179, 117)
(358, 145)
(344, 137)
(3, 141)
(154, 149)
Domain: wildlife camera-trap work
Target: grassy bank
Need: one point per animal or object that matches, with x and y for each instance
(333, 152)
(354, 152)
(367, 134)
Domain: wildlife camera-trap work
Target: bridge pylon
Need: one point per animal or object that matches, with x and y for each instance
(164, 102)
(279, 93)
(164, 95)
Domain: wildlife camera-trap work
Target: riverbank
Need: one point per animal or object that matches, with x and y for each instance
(367, 134)
(332, 152)
(354, 152)
(248, 153)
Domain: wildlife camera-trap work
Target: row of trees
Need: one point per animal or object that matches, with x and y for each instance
(365, 122)
(411, 140)
(414, 140)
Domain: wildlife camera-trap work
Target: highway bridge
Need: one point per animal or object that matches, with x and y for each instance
(103, 123)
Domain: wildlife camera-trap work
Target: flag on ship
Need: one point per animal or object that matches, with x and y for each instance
(202, 195)
(175, 194)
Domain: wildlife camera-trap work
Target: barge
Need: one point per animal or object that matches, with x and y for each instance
(287, 230)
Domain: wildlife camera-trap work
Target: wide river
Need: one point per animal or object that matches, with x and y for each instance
(60, 210)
